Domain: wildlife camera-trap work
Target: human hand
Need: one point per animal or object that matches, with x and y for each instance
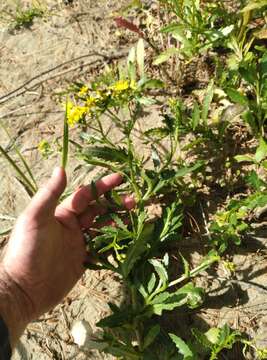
(46, 250)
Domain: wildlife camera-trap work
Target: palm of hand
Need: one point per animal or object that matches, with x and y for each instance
(46, 251)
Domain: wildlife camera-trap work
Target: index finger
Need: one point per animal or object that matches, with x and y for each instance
(81, 198)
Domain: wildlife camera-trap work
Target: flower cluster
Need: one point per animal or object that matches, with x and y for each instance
(100, 97)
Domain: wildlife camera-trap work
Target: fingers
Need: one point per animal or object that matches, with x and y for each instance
(87, 217)
(80, 199)
(128, 202)
(46, 198)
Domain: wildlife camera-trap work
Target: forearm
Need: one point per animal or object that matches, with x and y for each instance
(13, 307)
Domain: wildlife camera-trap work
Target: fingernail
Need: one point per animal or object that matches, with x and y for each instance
(57, 171)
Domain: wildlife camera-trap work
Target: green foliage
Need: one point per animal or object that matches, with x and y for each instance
(185, 154)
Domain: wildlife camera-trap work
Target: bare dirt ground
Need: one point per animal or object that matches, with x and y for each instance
(66, 44)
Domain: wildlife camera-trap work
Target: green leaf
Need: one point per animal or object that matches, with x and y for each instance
(244, 158)
(170, 28)
(207, 101)
(140, 57)
(187, 295)
(136, 249)
(167, 301)
(261, 152)
(164, 56)
(186, 266)
(254, 180)
(160, 269)
(120, 223)
(187, 170)
(212, 335)
(119, 318)
(118, 155)
(158, 133)
(195, 295)
(249, 74)
(151, 336)
(151, 283)
(202, 339)
(195, 116)
(152, 84)
(183, 348)
(236, 97)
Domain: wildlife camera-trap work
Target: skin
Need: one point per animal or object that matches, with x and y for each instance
(46, 251)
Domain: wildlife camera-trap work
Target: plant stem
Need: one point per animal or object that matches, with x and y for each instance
(195, 271)
(101, 130)
(20, 156)
(26, 182)
(136, 322)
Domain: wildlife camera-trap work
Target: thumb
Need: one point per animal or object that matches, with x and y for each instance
(46, 199)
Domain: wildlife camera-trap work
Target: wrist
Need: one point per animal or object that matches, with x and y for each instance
(15, 307)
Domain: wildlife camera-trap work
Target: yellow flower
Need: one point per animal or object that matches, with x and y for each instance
(172, 102)
(44, 148)
(120, 86)
(83, 91)
(75, 113)
(133, 85)
(90, 102)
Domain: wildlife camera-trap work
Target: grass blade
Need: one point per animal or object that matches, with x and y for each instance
(65, 148)
(29, 187)
(18, 152)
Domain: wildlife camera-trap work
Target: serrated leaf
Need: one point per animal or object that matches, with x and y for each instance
(169, 303)
(119, 222)
(186, 266)
(183, 348)
(160, 270)
(202, 339)
(106, 153)
(212, 335)
(157, 133)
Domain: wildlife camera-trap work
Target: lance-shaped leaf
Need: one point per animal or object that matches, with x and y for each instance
(183, 348)
(187, 295)
(136, 249)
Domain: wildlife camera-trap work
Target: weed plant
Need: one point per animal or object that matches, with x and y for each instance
(138, 246)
